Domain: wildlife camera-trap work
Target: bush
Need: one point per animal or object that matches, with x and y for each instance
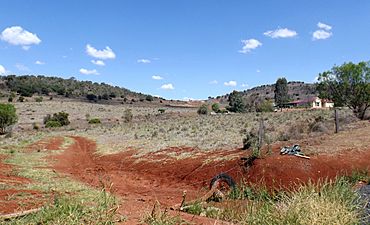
(94, 121)
(52, 123)
(127, 115)
(265, 106)
(35, 126)
(60, 117)
(216, 107)
(203, 109)
(8, 116)
(21, 99)
(149, 98)
(161, 111)
(39, 99)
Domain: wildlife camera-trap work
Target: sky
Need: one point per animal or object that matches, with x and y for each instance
(183, 49)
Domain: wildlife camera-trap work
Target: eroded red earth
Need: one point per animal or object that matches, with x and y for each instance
(164, 175)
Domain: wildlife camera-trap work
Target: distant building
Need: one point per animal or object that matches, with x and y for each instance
(313, 102)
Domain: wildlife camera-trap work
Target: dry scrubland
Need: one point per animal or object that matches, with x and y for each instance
(150, 130)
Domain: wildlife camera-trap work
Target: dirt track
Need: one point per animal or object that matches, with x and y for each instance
(157, 176)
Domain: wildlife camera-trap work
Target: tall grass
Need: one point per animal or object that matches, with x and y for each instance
(326, 202)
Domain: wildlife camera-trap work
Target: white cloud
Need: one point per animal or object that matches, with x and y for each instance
(324, 32)
(38, 62)
(145, 61)
(26, 47)
(106, 53)
(321, 35)
(98, 62)
(281, 33)
(244, 85)
(231, 83)
(167, 87)
(324, 26)
(22, 67)
(16, 35)
(88, 72)
(2, 70)
(249, 45)
(258, 71)
(157, 77)
(213, 82)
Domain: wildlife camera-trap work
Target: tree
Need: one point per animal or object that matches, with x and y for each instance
(347, 85)
(236, 103)
(216, 107)
(281, 92)
(8, 116)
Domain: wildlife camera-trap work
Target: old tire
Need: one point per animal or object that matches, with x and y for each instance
(222, 181)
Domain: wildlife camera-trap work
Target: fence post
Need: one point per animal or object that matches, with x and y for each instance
(336, 120)
(261, 134)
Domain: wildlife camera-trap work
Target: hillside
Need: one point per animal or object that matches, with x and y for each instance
(29, 85)
(296, 90)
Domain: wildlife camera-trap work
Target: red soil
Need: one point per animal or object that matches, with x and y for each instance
(14, 200)
(46, 144)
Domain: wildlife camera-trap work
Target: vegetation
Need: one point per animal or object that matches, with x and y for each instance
(347, 85)
(39, 99)
(328, 202)
(57, 120)
(281, 92)
(236, 103)
(94, 121)
(265, 106)
(128, 116)
(216, 107)
(29, 85)
(8, 116)
(203, 109)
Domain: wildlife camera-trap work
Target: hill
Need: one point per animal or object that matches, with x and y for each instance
(29, 85)
(296, 90)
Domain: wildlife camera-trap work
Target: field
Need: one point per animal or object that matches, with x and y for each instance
(116, 171)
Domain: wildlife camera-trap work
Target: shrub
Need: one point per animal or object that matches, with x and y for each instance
(94, 121)
(203, 109)
(52, 123)
(8, 116)
(21, 99)
(10, 99)
(149, 98)
(216, 107)
(60, 117)
(265, 106)
(39, 99)
(35, 126)
(127, 115)
(161, 111)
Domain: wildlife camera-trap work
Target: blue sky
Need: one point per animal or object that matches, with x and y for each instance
(195, 48)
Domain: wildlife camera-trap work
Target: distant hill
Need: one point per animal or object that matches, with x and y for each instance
(29, 85)
(296, 90)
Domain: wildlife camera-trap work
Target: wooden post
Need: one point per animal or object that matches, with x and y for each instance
(261, 134)
(336, 120)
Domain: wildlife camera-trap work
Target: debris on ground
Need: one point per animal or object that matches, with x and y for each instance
(294, 150)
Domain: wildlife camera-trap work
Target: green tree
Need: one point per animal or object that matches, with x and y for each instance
(281, 92)
(347, 85)
(236, 103)
(8, 116)
(216, 107)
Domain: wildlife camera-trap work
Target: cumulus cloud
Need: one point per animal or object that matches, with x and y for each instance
(281, 33)
(213, 82)
(324, 26)
(145, 61)
(98, 62)
(16, 35)
(38, 62)
(106, 53)
(167, 87)
(249, 45)
(157, 77)
(324, 32)
(231, 83)
(244, 85)
(2, 70)
(88, 72)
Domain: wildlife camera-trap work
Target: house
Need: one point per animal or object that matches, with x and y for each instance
(313, 102)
